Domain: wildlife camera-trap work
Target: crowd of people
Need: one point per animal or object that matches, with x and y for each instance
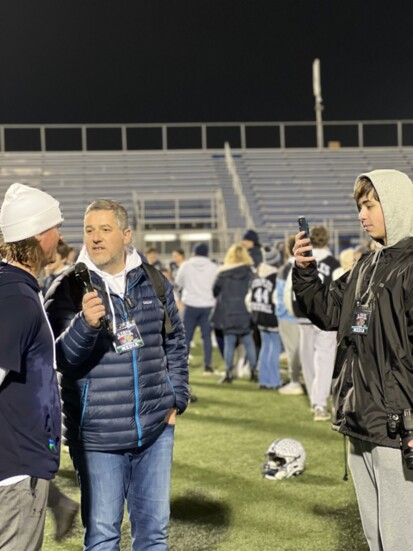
(117, 325)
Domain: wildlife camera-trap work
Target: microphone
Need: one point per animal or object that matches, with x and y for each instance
(82, 273)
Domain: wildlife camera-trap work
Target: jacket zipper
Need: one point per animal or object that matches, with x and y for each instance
(135, 370)
(83, 401)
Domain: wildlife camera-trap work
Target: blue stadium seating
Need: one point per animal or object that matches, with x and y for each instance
(279, 185)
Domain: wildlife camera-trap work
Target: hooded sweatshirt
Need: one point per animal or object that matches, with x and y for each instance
(30, 418)
(196, 278)
(372, 376)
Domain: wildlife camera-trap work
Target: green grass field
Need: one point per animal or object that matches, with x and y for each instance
(220, 500)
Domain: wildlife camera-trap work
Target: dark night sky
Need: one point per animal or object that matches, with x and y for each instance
(197, 60)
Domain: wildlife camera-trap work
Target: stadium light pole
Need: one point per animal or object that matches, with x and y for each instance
(318, 103)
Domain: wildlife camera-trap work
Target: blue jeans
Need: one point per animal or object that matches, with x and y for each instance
(269, 359)
(229, 349)
(142, 477)
(194, 316)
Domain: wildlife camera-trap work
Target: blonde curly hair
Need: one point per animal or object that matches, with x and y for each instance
(237, 254)
(26, 252)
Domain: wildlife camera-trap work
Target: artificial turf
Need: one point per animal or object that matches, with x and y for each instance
(220, 501)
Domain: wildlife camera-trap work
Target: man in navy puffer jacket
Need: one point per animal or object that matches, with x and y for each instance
(123, 381)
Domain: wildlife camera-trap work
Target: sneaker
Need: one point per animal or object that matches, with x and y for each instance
(321, 414)
(192, 398)
(208, 370)
(292, 389)
(227, 378)
(254, 376)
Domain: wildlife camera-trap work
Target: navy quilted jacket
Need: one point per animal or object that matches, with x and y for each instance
(113, 401)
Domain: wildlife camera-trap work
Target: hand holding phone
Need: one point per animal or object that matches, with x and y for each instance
(303, 226)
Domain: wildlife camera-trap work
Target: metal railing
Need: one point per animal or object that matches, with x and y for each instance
(236, 184)
(131, 137)
(180, 216)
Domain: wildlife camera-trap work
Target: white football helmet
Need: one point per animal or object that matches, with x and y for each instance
(285, 458)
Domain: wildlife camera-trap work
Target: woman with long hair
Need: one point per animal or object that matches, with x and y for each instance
(230, 313)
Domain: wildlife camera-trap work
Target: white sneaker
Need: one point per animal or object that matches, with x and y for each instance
(321, 414)
(292, 388)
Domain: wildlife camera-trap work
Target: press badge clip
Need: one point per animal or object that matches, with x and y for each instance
(361, 319)
(127, 337)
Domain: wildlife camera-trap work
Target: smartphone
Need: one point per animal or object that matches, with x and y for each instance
(303, 226)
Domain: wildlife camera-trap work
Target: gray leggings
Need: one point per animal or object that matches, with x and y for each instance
(385, 495)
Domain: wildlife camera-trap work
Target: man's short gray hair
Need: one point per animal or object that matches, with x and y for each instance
(120, 213)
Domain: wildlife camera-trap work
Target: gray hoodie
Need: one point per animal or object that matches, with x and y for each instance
(196, 277)
(395, 191)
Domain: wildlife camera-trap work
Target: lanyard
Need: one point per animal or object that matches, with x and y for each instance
(368, 291)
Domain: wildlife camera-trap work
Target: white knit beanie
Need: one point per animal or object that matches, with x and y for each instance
(26, 212)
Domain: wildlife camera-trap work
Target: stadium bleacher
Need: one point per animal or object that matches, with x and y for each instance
(279, 185)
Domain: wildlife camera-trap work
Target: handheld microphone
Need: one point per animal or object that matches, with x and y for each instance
(82, 273)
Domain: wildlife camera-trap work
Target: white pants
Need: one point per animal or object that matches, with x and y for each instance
(317, 352)
(385, 495)
(290, 337)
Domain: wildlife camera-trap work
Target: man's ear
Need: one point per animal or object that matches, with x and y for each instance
(127, 236)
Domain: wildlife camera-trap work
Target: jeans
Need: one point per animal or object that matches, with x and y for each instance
(269, 359)
(142, 477)
(229, 349)
(194, 316)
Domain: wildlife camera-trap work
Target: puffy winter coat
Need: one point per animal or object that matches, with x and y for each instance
(230, 289)
(113, 401)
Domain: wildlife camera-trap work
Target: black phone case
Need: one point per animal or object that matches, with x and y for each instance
(303, 226)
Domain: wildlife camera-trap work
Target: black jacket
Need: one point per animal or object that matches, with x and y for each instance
(260, 298)
(373, 374)
(230, 289)
(30, 418)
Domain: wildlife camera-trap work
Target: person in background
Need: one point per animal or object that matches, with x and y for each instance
(195, 279)
(251, 242)
(55, 268)
(124, 379)
(371, 308)
(230, 313)
(317, 347)
(178, 257)
(30, 417)
(346, 259)
(288, 326)
(260, 302)
(71, 257)
(280, 248)
(152, 256)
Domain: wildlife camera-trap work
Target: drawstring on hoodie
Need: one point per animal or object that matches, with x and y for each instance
(375, 263)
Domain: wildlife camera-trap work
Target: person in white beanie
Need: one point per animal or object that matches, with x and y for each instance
(30, 418)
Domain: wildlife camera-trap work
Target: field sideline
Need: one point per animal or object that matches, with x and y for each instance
(220, 502)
